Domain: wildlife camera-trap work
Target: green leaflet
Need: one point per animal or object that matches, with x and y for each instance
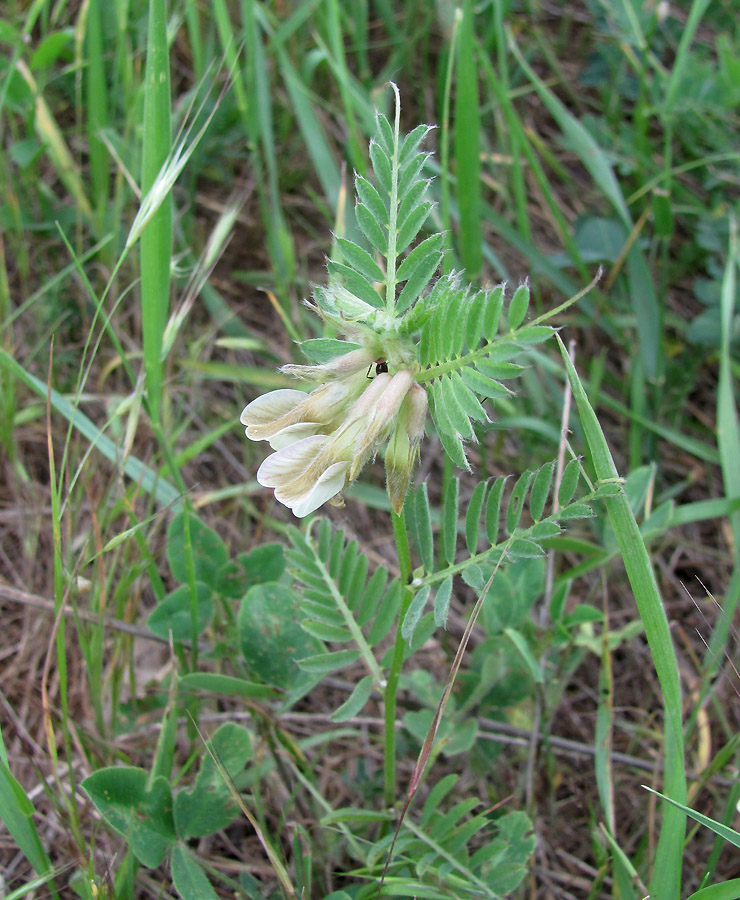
(340, 604)
(463, 354)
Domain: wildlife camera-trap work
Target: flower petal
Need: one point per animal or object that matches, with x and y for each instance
(347, 364)
(291, 434)
(289, 463)
(330, 483)
(270, 406)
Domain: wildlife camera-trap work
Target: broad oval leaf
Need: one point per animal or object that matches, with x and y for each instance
(270, 635)
(208, 550)
(189, 879)
(173, 614)
(142, 815)
(208, 806)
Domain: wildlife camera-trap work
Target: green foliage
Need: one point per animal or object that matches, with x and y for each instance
(271, 637)
(208, 806)
(216, 577)
(341, 605)
(172, 615)
(142, 810)
(139, 811)
(438, 854)
(464, 357)
(638, 176)
(16, 811)
(189, 878)
(390, 217)
(482, 529)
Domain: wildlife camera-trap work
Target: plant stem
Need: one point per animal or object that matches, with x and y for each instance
(404, 564)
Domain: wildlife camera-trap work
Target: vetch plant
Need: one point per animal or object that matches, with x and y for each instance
(412, 343)
(407, 346)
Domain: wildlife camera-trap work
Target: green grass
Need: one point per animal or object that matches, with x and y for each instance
(174, 178)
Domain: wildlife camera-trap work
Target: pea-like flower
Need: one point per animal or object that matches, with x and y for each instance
(286, 416)
(323, 439)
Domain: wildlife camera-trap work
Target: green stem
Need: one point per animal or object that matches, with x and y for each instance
(404, 564)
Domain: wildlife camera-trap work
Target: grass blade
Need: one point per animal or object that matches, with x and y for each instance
(728, 423)
(666, 880)
(467, 147)
(728, 442)
(156, 239)
(52, 138)
(149, 480)
(727, 890)
(724, 831)
(97, 112)
(15, 812)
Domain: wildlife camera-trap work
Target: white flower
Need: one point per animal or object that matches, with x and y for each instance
(286, 416)
(316, 467)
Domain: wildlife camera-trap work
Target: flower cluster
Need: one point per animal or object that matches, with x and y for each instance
(323, 439)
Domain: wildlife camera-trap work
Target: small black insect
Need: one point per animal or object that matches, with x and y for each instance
(381, 366)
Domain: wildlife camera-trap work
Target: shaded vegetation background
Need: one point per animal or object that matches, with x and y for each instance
(597, 134)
